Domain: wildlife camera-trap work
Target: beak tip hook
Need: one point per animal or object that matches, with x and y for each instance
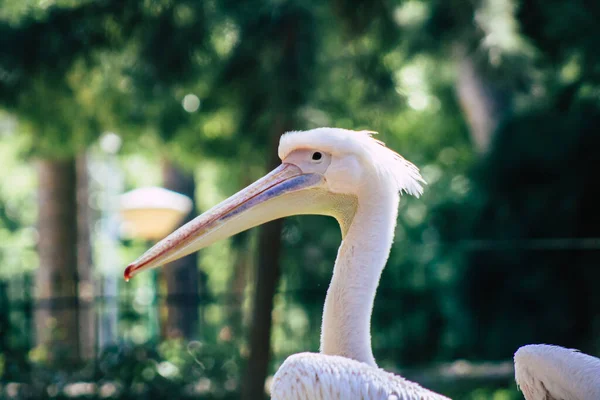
(129, 272)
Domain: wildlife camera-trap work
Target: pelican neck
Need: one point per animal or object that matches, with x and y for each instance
(346, 326)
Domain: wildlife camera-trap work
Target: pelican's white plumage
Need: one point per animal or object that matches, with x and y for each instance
(346, 369)
(546, 372)
(356, 179)
(306, 376)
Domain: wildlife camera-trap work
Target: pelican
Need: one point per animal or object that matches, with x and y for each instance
(546, 372)
(357, 180)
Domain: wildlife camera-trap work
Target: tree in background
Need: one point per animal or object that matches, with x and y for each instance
(164, 75)
(57, 279)
(44, 64)
(532, 198)
(270, 75)
(182, 276)
(40, 56)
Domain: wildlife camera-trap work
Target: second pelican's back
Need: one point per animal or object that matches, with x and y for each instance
(546, 372)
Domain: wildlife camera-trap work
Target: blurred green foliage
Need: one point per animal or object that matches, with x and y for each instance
(171, 369)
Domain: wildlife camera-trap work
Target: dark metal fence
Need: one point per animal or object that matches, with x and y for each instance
(17, 346)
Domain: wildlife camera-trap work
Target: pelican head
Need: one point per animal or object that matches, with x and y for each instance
(324, 171)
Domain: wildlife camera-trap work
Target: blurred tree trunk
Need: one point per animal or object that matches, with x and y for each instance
(238, 282)
(267, 277)
(87, 317)
(240, 275)
(483, 101)
(56, 312)
(4, 317)
(181, 276)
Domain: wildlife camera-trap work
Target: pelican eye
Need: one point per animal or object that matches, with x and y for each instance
(317, 156)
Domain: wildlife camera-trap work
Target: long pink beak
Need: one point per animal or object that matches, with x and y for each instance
(271, 197)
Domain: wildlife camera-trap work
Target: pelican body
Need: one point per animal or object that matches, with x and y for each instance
(354, 178)
(546, 372)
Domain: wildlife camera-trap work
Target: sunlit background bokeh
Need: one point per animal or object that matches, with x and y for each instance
(496, 101)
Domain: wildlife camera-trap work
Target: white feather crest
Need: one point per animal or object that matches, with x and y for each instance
(387, 162)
